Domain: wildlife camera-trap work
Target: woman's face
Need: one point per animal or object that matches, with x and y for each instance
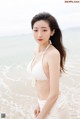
(41, 31)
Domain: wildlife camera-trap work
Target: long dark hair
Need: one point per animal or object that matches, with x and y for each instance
(56, 39)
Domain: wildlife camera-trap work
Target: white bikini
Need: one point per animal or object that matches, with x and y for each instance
(37, 71)
(60, 109)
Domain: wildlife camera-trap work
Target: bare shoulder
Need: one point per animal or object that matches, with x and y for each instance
(53, 54)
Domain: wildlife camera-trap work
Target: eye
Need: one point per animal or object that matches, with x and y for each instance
(35, 30)
(44, 30)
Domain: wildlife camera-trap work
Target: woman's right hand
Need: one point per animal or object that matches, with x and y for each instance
(36, 111)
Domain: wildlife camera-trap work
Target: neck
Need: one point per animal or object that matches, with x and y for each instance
(42, 47)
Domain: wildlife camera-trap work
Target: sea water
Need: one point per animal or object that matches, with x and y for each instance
(16, 92)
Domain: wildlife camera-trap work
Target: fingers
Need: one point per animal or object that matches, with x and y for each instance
(36, 112)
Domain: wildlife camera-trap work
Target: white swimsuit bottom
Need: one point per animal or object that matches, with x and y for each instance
(59, 110)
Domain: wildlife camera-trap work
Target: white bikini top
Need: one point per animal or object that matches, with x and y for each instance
(37, 70)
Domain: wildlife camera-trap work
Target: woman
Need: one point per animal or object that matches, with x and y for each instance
(46, 67)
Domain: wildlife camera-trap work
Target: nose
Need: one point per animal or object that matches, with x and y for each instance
(39, 34)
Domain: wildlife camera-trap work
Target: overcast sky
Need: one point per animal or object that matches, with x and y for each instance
(16, 15)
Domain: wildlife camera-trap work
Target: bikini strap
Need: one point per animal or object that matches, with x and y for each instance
(43, 52)
(46, 50)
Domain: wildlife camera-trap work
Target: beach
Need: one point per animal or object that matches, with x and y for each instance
(17, 92)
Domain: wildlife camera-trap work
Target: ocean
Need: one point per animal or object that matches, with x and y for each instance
(17, 95)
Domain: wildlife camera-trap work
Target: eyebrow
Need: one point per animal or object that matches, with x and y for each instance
(41, 27)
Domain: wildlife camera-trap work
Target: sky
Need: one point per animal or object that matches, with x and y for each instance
(16, 15)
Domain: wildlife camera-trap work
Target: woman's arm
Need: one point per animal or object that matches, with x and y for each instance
(54, 73)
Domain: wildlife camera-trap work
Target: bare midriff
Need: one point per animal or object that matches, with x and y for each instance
(42, 87)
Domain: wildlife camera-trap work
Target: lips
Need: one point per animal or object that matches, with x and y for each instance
(40, 39)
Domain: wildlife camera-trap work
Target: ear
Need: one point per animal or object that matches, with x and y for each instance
(52, 32)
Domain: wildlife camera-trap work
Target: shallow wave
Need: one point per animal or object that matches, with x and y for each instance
(17, 94)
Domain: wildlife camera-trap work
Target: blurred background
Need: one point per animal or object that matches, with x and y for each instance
(17, 93)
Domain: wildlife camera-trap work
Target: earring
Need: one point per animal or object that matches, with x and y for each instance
(50, 41)
(53, 32)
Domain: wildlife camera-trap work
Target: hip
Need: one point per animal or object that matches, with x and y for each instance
(59, 110)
